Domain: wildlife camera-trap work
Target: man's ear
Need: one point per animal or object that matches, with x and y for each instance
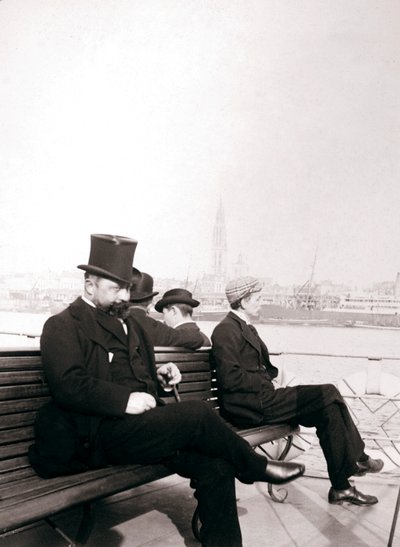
(89, 285)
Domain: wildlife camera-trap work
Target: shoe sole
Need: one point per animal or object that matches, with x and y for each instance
(363, 473)
(351, 502)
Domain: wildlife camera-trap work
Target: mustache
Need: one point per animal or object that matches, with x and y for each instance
(118, 309)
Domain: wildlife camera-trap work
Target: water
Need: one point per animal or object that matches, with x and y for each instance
(373, 343)
(346, 341)
(363, 343)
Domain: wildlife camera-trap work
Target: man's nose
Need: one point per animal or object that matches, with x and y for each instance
(124, 294)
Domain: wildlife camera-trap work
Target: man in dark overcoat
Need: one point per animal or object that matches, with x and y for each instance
(140, 301)
(106, 406)
(177, 306)
(249, 396)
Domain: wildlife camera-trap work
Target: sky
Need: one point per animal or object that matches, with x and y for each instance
(138, 118)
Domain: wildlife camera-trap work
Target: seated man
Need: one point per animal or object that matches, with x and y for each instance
(107, 408)
(177, 306)
(249, 396)
(141, 298)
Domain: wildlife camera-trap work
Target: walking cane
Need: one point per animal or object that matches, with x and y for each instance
(176, 394)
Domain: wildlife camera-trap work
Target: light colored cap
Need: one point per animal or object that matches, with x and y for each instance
(241, 287)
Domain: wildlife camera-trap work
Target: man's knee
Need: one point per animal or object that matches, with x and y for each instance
(217, 473)
(200, 409)
(332, 393)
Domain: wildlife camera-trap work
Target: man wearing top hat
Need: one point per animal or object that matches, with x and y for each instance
(249, 397)
(106, 406)
(141, 298)
(177, 305)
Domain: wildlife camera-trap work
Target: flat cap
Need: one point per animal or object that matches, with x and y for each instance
(241, 287)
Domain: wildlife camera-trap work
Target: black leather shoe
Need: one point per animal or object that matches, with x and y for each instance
(278, 472)
(350, 495)
(369, 466)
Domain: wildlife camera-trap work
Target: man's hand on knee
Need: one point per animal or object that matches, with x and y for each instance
(139, 402)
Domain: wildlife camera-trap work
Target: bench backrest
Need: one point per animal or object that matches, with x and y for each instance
(23, 390)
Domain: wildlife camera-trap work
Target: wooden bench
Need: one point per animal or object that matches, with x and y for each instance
(26, 498)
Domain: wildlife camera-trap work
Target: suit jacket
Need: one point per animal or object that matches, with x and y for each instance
(76, 363)
(243, 368)
(192, 327)
(163, 335)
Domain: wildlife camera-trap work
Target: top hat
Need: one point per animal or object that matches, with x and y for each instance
(111, 257)
(176, 296)
(142, 287)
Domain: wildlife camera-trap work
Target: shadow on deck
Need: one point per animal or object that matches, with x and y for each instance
(159, 514)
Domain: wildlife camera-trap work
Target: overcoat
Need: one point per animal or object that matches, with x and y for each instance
(192, 327)
(162, 335)
(76, 363)
(245, 374)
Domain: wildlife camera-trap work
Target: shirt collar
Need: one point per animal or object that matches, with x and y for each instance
(241, 316)
(183, 323)
(88, 301)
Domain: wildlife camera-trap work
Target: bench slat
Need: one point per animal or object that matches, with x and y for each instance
(20, 392)
(12, 464)
(21, 362)
(22, 405)
(26, 510)
(14, 476)
(11, 420)
(194, 366)
(16, 434)
(22, 377)
(181, 357)
(15, 449)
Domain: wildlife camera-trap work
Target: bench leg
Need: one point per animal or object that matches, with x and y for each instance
(282, 456)
(85, 527)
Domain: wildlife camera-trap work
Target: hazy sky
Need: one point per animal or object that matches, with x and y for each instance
(137, 117)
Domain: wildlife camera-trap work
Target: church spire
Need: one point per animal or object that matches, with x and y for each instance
(219, 255)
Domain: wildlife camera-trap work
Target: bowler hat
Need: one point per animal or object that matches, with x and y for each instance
(111, 257)
(142, 287)
(176, 296)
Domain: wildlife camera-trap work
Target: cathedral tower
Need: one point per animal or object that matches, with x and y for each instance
(219, 245)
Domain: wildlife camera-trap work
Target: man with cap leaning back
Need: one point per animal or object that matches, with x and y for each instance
(141, 298)
(177, 306)
(106, 406)
(250, 398)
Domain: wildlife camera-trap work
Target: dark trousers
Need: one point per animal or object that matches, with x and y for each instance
(320, 406)
(191, 439)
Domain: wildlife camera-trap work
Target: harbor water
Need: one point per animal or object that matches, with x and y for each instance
(337, 353)
(290, 339)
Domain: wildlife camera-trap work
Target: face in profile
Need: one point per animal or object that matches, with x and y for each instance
(110, 296)
(252, 303)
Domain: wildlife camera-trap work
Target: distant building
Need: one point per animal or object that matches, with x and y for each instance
(219, 245)
(240, 267)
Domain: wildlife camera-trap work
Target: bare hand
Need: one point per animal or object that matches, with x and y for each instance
(139, 402)
(168, 375)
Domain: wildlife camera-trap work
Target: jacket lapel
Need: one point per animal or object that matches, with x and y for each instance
(112, 324)
(248, 335)
(92, 323)
(139, 341)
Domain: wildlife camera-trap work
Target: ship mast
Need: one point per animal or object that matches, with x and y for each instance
(311, 280)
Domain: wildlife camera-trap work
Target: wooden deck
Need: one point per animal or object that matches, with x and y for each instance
(159, 515)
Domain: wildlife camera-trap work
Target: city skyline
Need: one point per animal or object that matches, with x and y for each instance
(137, 119)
